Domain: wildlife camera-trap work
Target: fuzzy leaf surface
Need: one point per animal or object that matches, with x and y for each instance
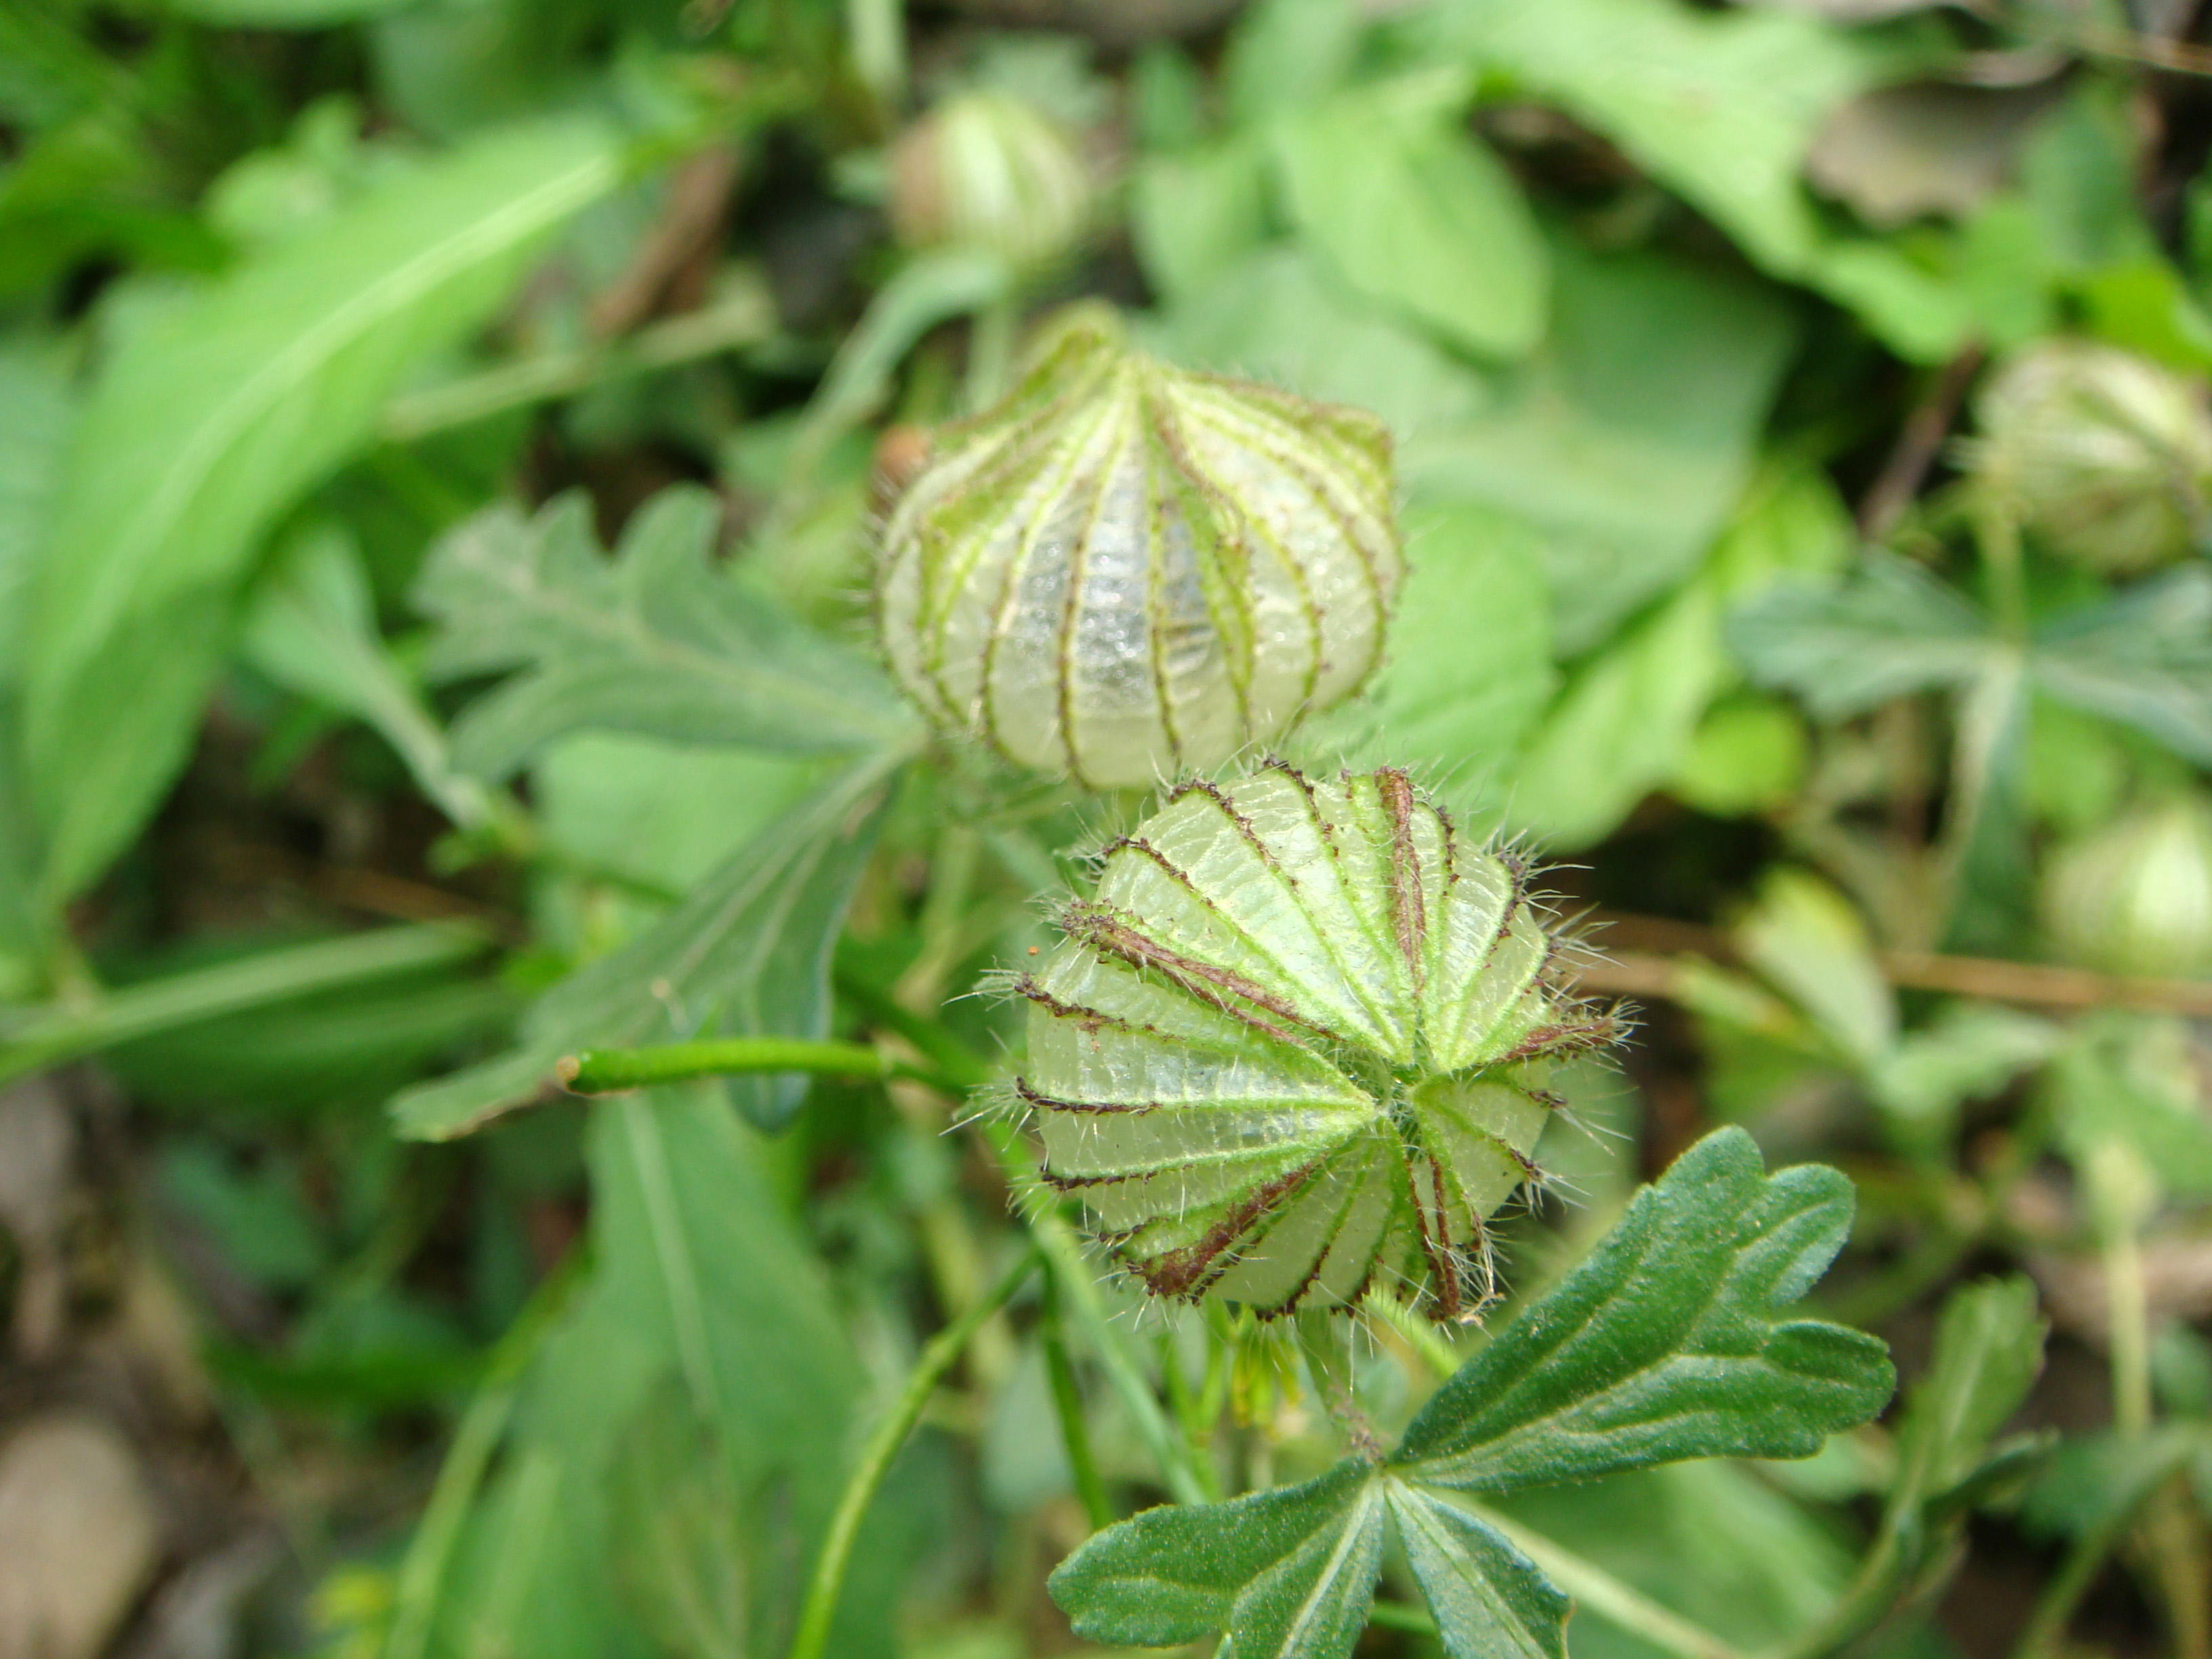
(1668, 1342)
(1489, 1601)
(1288, 1573)
(655, 643)
(746, 954)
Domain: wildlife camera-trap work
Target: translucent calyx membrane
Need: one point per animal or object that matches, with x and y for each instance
(1127, 572)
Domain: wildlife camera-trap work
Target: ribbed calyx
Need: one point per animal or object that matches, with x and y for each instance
(1126, 571)
(1296, 1041)
(2106, 456)
(987, 170)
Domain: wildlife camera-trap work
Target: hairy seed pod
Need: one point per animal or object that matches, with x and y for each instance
(2104, 455)
(2135, 897)
(987, 170)
(1295, 1041)
(1126, 571)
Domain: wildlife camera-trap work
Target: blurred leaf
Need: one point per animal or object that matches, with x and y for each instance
(283, 14)
(257, 1218)
(35, 413)
(1627, 440)
(2143, 659)
(312, 628)
(1898, 153)
(1989, 1352)
(1969, 1051)
(1276, 317)
(1416, 215)
(679, 1558)
(1808, 940)
(746, 953)
(704, 1301)
(2134, 1079)
(1470, 661)
(657, 641)
(2096, 1480)
(1890, 631)
(1668, 1342)
(1196, 213)
(206, 425)
(1722, 107)
(1628, 715)
(1747, 754)
(1288, 55)
(1289, 1574)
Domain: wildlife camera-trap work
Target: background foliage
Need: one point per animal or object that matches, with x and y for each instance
(438, 439)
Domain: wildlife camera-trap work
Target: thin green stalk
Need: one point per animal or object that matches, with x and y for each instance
(1598, 1591)
(745, 318)
(2045, 1633)
(820, 1607)
(1421, 1335)
(1067, 1401)
(609, 1070)
(991, 350)
(414, 1598)
(54, 1036)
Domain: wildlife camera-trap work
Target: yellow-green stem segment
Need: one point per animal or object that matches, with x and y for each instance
(820, 1607)
(609, 1070)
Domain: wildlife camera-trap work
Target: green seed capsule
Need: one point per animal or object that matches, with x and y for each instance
(2136, 897)
(985, 170)
(1292, 1044)
(2104, 455)
(1126, 571)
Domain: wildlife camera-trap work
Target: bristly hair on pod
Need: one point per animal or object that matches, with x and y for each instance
(1126, 570)
(1296, 1041)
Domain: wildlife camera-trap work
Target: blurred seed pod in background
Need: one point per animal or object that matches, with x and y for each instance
(1126, 571)
(2135, 897)
(1294, 1044)
(2103, 456)
(990, 171)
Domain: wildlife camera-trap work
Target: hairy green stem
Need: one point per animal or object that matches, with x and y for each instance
(609, 1070)
(1421, 1334)
(1067, 1401)
(820, 1607)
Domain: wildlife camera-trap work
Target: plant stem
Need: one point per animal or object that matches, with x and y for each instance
(1067, 1401)
(414, 1598)
(820, 1607)
(991, 350)
(2054, 1608)
(746, 318)
(609, 1070)
(1420, 1335)
(1618, 1604)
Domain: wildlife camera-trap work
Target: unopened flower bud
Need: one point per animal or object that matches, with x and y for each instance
(990, 171)
(2103, 455)
(1125, 570)
(2136, 897)
(1294, 1044)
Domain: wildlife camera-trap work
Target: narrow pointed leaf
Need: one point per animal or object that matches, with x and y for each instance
(2144, 659)
(1288, 1574)
(1489, 1601)
(1669, 1342)
(657, 641)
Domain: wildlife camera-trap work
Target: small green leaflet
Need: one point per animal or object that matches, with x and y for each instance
(746, 953)
(1668, 1343)
(657, 642)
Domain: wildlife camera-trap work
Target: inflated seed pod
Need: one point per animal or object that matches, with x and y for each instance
(2135, 897)
(1294, 1044)
(987, 170)
(2105, 456)
(1126, 571)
